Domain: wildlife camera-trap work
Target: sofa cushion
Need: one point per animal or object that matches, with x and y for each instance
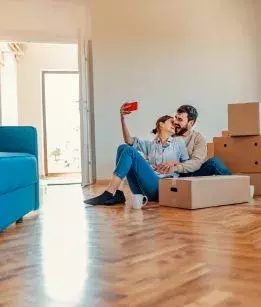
(17, 170)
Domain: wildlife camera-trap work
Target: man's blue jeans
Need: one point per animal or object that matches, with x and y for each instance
(213, 166)
(141, 177)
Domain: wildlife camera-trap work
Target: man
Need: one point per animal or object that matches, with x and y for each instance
(197, 165)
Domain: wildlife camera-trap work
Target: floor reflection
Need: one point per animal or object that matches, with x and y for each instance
(64, 242)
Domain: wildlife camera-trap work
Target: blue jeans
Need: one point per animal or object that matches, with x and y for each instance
(213, 166)
(141, 177)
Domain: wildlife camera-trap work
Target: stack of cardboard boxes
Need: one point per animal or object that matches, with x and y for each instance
(240, 149)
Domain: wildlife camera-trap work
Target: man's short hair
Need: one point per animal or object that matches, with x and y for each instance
(190, 111)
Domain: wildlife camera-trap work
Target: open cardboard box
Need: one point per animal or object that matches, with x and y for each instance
(203, 192)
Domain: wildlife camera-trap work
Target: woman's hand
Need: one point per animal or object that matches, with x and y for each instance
(154, 166)
(128, 139)
(123, 112)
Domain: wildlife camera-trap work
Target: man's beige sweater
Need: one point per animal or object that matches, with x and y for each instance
(197, 151)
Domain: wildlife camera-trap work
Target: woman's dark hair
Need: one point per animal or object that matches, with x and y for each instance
(162, 119)
(191, 112)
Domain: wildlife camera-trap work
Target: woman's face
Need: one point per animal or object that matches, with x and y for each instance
(168, 126)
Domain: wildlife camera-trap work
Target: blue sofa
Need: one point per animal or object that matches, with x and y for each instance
(19, 180)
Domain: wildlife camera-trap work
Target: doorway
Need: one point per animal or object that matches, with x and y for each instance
(38, 67)
(61, 120)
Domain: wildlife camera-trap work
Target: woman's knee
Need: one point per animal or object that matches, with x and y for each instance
(126, 150)
(125, 147)
(121, 148)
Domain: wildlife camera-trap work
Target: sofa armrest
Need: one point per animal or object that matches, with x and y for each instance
(19, 139)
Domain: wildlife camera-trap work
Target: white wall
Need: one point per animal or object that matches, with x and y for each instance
(8, 90)
(42, 20)
(39, 57)
(166, 53)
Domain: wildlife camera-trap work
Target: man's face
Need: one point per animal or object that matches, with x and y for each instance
(182, 124)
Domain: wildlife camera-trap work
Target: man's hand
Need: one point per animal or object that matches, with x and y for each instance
(124, 112)
(172, 162)
(166, 167)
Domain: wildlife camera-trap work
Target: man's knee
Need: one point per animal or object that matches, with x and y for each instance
(218, 166)
(215, 161)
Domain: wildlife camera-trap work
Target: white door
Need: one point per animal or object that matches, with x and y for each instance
(86, 112)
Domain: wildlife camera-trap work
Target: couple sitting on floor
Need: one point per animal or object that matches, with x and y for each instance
(177, 150)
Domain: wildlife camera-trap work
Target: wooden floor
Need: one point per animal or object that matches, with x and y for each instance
(68, 255)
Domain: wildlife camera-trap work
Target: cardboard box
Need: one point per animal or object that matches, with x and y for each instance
(244, 119)
(225, 134)
(210, 150)
(255, 180)
(240, 154)
(203, 192)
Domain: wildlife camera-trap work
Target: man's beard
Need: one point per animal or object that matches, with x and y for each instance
(180, 131)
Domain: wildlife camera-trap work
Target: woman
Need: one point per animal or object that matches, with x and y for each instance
(141, 172)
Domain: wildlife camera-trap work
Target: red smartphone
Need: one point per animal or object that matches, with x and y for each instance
(131, 106)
